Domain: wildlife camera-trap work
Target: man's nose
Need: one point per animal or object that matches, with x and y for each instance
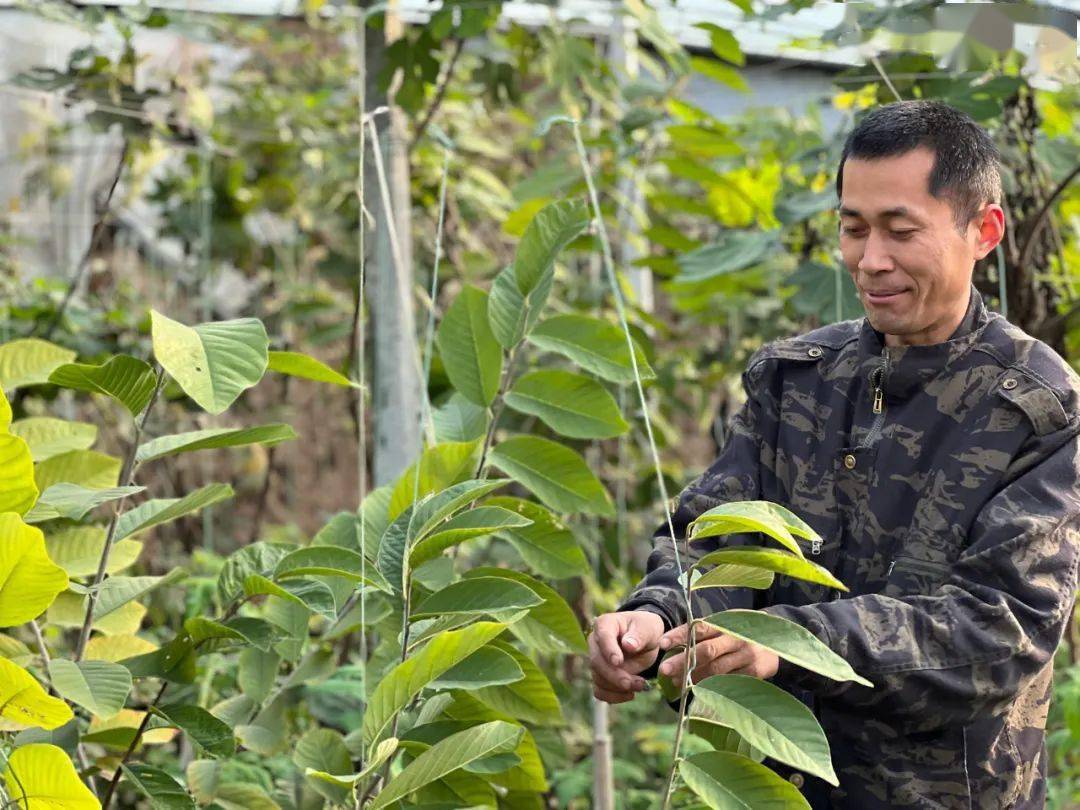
(875, 255)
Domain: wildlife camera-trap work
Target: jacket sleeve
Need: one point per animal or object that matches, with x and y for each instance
(733, 476)
(965, 651)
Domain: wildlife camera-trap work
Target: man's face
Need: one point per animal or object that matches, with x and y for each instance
(911, 266)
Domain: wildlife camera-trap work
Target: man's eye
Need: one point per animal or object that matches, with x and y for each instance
(853, 231)
(903, 234)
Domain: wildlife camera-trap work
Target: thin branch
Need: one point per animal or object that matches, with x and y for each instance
(131, 748)
(125, 480)
(1043, 214)
(95, 243)
(440, 93)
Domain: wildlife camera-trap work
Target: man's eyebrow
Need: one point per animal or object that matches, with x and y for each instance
(898, 211)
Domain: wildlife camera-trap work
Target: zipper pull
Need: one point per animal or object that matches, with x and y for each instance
(878, 398)
(891, 564)
(815, 546)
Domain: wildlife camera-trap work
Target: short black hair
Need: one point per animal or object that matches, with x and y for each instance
(966, 160)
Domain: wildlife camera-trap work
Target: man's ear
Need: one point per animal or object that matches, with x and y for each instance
(990, 226)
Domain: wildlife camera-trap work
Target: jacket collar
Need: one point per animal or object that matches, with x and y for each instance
(908, 369)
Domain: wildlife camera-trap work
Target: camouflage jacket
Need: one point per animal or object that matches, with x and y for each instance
(951, 511)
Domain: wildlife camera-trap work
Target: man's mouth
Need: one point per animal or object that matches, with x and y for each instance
(883, 296)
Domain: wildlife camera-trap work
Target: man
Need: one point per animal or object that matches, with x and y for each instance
(934, 448)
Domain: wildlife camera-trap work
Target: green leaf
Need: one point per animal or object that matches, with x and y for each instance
(211, 734)
(736, 251)
(459, 420)
(5, 412)
(552, 229)
(487, 666)
(530, 699)
(568, 403)
(477, 596)
(733, 576)
(404, 682)
(727, 781)
(323, 749)
(74, 502)
(29, 580)
(47, 437)
(100, 687)
(30, 361)
(791, 209)
(330, 561)
(23, 701)
(17, 488)
(45, 775)
(212, 362)
(300, 365)
(770, 559)
(441, 466)
(550, 627)
(267, 435)
(126, 379)
(723, 43)
(86, 468)
(527, 777)
(258, 558)
(478, 522)
(548, 547)
(744, 516)
(308, 593)
(776, 723)
(597, 346)
(115, 592)
(258, 633)
(470, 354)
(790, 641)
(456, 751)
(511, 314)
(406, 529)
(164, 792)
(175, 662)
(257, 673)
(161, 510)
(555, 474)
(719, 72)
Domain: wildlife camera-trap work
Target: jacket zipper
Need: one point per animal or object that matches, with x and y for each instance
(877, 390)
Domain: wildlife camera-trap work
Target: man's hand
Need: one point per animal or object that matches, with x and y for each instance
(716, 654)
(621, 645)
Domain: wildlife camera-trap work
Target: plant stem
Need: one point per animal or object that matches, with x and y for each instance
(126, 474)
(440, 93)
(131, 748)
(497, 408)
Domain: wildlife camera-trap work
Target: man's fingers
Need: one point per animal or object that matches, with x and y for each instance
(724, 664)
(640, 635)
(608, 676)
(609, 696)
(606, 634)
(677, 636)
(704, 653)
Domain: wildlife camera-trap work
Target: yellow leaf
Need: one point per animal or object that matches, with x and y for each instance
(24, 701)
(117, 648)
(69, 609)
(131, 719)
(29, 580)
(17, 488)
(5, 412)
(41, 777)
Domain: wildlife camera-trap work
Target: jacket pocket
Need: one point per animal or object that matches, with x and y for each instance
(911, 576)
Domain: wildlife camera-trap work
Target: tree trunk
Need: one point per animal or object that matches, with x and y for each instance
(395, 383)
